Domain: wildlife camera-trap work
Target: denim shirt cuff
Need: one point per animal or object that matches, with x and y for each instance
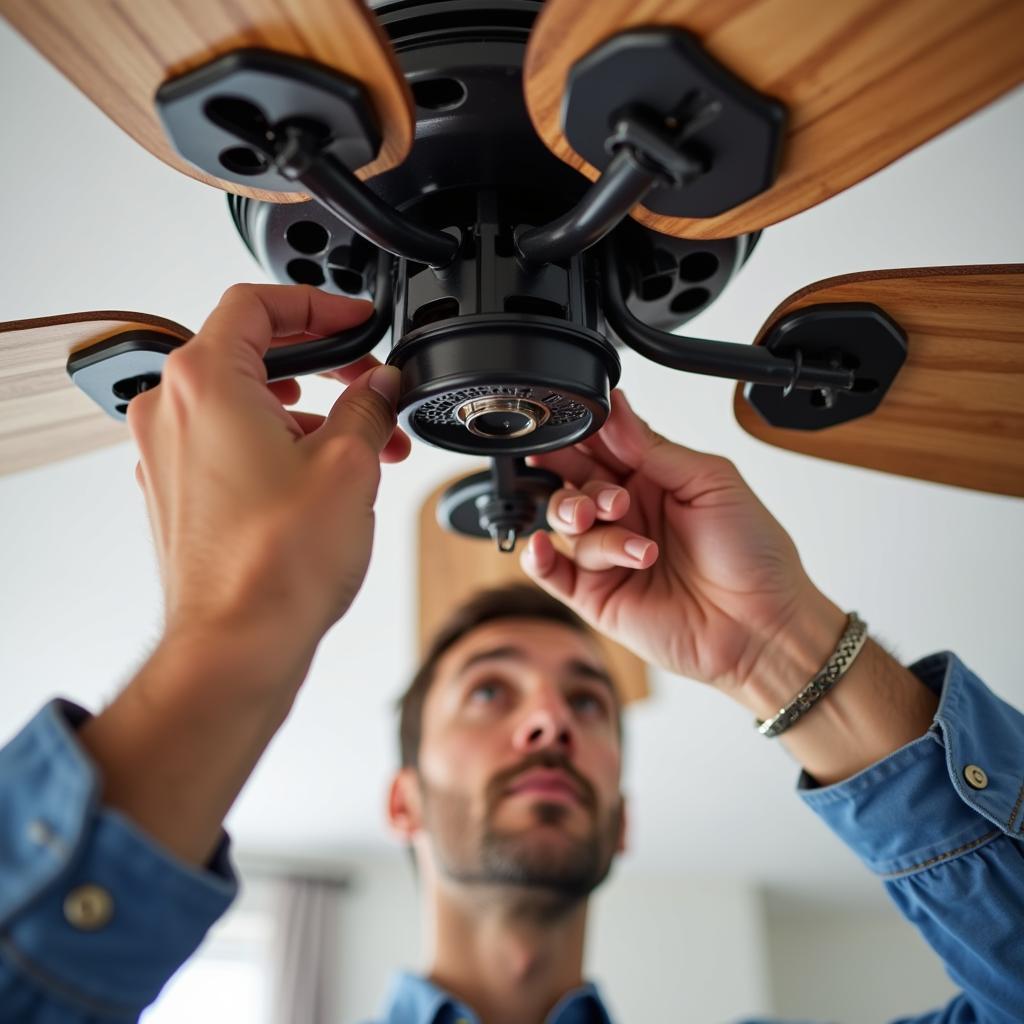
(914, 808)
(57, 836)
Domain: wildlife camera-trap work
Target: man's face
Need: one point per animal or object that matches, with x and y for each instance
(519, 762)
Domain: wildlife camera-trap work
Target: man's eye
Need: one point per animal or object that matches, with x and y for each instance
(587, 703)
(485, 693)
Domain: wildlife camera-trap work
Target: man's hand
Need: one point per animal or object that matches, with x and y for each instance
(263, 516)
(722, 598)
(721, 577)
(263, 521)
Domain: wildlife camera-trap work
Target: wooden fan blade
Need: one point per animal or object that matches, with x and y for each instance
(452, 568)
(955, 412)
(864, 82)
(119, 54)
(43, 416)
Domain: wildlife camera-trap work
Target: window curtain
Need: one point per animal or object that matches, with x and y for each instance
(305, 952)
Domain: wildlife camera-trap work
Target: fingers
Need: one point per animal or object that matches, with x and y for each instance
(683, 472)
(366, 409)
(586, 516)
(549, 568)
(611, 546)
(287, 392)
(248, 316)
(347, 374)
(398, 447)
(602, 549)
(571, 464)
(572, 511)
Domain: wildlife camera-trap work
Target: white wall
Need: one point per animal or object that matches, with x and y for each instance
(680, 947)
(379, 934)
(852, 967)
(660, 947)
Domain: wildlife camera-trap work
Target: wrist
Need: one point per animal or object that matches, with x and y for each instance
(876, 707)
(177, 744)
(792, 655)
(254, 658)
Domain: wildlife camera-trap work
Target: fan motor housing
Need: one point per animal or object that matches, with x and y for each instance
(497, 356)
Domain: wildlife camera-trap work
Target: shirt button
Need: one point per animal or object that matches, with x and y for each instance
(88, 907)
(975, 776)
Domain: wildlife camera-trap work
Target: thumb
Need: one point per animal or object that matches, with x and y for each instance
(365, 408)
(671, 466)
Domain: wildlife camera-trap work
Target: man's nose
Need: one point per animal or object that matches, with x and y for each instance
(544, 725)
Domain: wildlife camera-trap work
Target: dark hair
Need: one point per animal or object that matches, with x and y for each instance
(510, 601)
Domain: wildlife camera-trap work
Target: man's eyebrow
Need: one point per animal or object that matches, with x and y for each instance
(576, 665)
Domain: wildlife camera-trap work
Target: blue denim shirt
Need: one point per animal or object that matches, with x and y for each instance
(951, 855)
(415, 1000)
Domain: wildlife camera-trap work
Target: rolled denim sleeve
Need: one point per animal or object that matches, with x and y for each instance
(95, 916)
(941, 822)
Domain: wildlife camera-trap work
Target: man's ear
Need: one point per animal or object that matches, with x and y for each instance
(620, 846)
(405, 811)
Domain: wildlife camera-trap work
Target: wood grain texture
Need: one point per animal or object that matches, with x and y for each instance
(865, 81)
(452, 568)
(955, 412)
(118, 52)
(43, 416)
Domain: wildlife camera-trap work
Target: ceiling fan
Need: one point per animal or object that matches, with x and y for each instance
(521, 188)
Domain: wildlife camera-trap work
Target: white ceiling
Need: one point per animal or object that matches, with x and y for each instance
(92, 221)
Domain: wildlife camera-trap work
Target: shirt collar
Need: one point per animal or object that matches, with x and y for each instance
(416, 1000)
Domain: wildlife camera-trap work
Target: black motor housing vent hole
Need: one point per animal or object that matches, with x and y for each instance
(243, 160)
(307, 236)
(233, 112)
(439, 93)
(305, 272)
(349, 281)
(654, 288)
(690, 300)
(698, 266)
(128, 388)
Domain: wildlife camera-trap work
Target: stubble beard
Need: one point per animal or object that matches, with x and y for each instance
(541, 867)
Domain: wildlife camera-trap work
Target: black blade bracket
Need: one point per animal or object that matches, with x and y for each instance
(857, 337)
(113, 371)
(287, 124)
(709, 140)
(222, 115)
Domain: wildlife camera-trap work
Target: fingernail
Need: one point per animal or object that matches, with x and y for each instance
(606, 499)
(529, 555)
(386, 381)
(637, 548)
(567, 509)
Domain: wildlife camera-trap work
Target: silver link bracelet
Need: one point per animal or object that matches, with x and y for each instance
(849, 646)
